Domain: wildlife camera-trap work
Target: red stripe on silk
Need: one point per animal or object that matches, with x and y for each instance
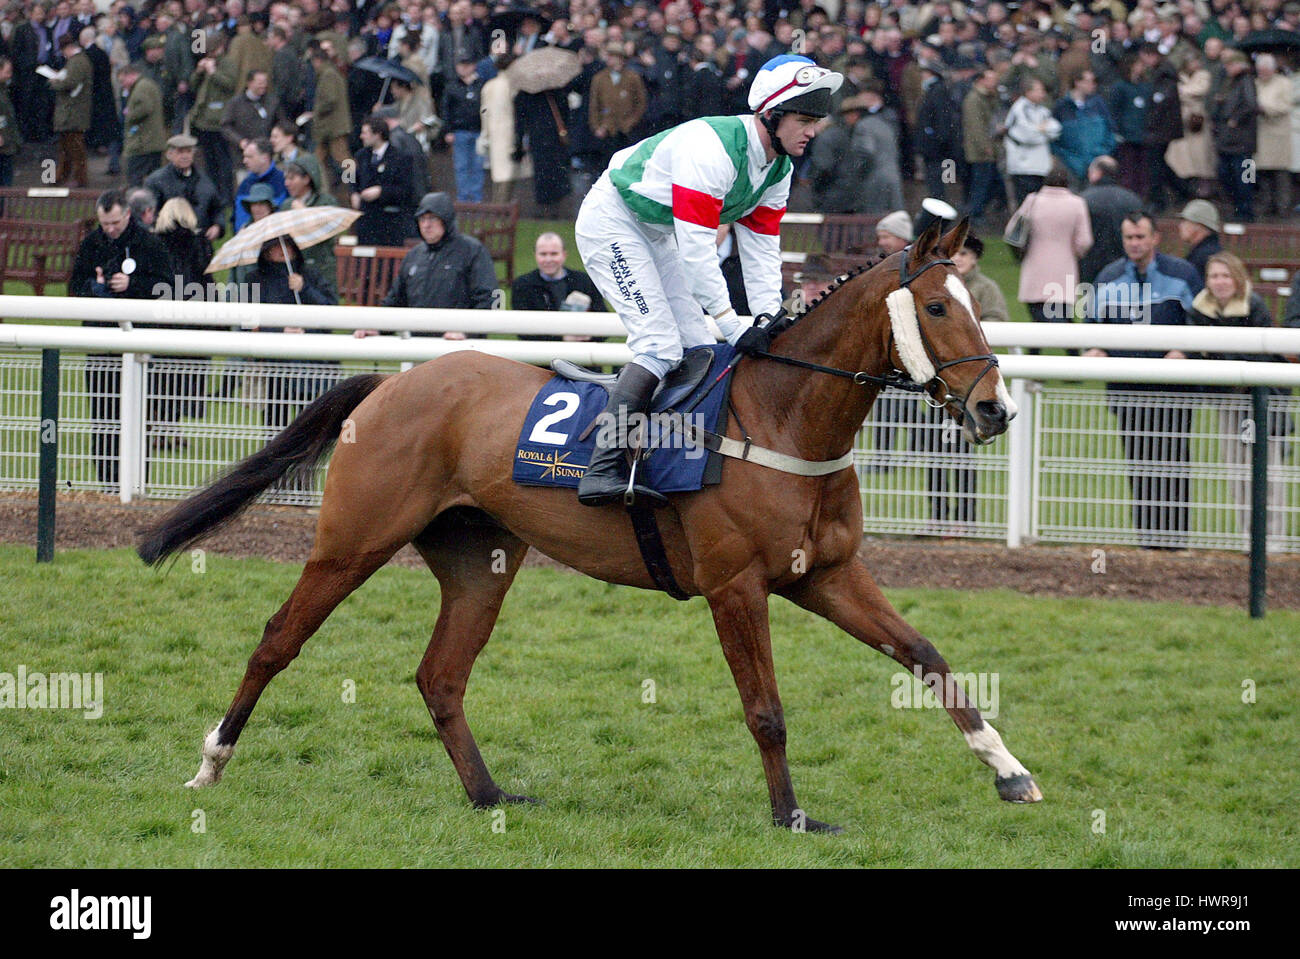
(696, 207)
(764, 219)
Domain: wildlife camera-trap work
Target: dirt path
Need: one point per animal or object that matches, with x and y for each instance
(1198, 577)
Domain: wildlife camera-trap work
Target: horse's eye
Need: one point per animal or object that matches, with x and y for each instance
(935, 309)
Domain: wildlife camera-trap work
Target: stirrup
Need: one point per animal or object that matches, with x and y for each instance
(641, 496)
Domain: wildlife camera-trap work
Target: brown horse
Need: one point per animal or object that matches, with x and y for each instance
(426, 458)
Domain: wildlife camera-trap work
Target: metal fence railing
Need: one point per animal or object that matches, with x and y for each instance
(1155, 468)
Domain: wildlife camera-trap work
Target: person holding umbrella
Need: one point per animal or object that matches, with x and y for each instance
(282, 277)
(302, 178)
(541, 80)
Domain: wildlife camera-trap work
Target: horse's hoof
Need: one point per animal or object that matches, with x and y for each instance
(504, 798)
(804, 824)
(525, 800)
(1020, 789)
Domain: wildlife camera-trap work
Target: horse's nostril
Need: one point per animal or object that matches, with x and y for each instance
(995, 412)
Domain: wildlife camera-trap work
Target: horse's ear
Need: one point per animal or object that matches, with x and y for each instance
(925, 243)
(953, 241)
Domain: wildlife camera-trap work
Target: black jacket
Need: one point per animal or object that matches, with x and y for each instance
(272, 281)
(704, 93)
(197, 189)
(1205, 311)
(389, 220)
(153, 269)
(938, 123)
(1108, 204)
(531, 292)
(1164, 117)
(403, 142)
(1200, 254)
(190, 254)
(1234, 114)
(461, 103)
(454, 273)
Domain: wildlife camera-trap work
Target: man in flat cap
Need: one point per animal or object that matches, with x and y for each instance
(180, 178)
(1199, 227)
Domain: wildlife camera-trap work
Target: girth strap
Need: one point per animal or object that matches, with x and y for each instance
(763, 456)
(651, 544)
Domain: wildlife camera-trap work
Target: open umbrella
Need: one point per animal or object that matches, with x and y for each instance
(390, 70)
(1270, 41)
(546, 68)
(308, 226)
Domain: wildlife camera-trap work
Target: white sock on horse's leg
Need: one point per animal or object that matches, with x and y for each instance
(987, 745)
(215, 758)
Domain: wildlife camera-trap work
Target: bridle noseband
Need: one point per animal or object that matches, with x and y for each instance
(899, 379)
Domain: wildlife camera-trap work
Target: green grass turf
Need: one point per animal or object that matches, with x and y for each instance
(1134, 710)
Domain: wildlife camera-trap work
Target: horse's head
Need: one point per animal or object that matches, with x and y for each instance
(935, 336)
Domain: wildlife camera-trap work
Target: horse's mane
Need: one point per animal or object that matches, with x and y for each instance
(839, 281)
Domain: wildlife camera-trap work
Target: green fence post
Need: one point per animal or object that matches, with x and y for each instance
(48, 432)
(1259, 501)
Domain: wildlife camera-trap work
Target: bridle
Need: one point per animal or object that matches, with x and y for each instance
(898, 379)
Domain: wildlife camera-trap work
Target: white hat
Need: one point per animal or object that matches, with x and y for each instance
(898, 224)
(788, 77)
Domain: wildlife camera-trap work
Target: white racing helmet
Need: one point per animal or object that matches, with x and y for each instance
(793, 84)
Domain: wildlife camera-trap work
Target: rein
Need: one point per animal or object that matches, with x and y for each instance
(896, 378)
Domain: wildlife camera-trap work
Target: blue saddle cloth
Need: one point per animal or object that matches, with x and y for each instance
(550, 454)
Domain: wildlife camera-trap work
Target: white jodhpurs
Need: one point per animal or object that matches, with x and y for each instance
(636, 268)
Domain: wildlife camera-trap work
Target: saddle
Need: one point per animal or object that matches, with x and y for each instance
(680, 382)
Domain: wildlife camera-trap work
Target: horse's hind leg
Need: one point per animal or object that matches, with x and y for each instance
(850, 598)
(324, 584)
(475, 562)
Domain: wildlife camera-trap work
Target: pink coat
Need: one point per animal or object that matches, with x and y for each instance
(1060, 232)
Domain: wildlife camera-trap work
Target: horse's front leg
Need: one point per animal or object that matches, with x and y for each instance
(740, 615)
(850, 598)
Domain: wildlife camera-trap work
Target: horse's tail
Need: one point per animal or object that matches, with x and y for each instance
(298, 447)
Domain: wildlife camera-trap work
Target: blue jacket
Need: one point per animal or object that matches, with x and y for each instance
(1162, 300)
(274, 178)
(1086, 133)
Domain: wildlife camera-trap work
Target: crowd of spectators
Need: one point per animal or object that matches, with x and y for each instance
(961, 95)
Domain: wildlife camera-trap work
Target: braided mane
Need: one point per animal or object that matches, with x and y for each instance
(838, 282)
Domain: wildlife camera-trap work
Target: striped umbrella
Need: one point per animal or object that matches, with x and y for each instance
(307, 225)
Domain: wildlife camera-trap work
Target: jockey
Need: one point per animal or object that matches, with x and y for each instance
(647, 236)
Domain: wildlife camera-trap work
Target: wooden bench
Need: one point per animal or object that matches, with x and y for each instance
(41, 253)
(1275, 296)
(366, 272)
(50, 204)
(493, 225)
(846, 233)
(820, 269)
(1257, 244)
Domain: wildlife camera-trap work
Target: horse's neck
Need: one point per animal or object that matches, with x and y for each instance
(818, 414)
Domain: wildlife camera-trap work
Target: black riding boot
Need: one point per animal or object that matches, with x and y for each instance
(606, 478)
